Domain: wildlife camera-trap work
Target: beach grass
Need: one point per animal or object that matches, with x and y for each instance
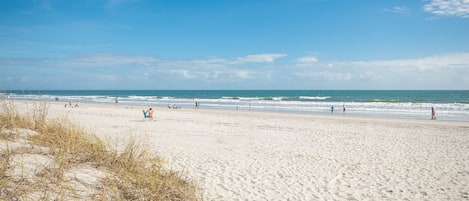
(133, 173)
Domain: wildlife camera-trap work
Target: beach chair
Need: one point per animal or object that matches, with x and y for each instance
(145, 114)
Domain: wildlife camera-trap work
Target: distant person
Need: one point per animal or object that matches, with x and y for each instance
(343, 109)
(196, 104)
(433, 114)
(332, 109)
(56, 99)
(69, 103)
(150, 113)
(117, 101)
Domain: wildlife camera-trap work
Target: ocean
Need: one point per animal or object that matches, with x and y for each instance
(452, 105)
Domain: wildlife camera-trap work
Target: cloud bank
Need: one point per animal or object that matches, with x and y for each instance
(445, 71)
(458, 8)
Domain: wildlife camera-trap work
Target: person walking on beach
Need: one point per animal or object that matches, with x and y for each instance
(117, 101)
(332, 109)
(433, 114)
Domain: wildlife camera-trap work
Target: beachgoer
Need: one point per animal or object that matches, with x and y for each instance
(117, 101)
(343, 109)
(332, 109)
(150, 113)
(433, 114)
(196, 104)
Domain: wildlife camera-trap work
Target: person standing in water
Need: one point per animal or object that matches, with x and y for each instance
(433, 114)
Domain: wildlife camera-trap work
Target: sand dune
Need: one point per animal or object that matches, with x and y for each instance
(245, 155)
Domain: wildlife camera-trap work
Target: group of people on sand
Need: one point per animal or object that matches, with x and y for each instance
(174, 106)
(77, 104)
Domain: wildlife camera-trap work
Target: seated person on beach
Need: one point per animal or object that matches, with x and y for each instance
(150, 113)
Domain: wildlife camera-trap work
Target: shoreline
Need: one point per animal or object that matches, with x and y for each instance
(337, 115)
(281, 156)
(450, 105)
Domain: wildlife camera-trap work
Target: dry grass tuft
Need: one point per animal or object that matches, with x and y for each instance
(34, 119)
(134, 174)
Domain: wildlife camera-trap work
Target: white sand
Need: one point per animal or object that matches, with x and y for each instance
(243, 155)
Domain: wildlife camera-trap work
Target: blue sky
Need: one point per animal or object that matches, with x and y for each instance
(234, 44)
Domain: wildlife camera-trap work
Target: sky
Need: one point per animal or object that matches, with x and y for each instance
(234, 44)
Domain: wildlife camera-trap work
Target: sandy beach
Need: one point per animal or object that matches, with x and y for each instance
(245, 155)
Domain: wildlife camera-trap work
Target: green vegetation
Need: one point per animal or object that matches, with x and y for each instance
(131, 174)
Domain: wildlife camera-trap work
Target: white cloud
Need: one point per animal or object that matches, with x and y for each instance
(103, 77)
(113, 60)
(231, 75)
(445, 61)
(459, 8)
(243, 74)
(258, 58)
(448, 71)
(181, 72)
(431, 63)
(323, 75)
(105, 60)
(306, 61)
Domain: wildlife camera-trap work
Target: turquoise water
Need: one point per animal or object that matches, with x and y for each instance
(450, 105)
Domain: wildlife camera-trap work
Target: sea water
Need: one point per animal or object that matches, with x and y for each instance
(449, 104)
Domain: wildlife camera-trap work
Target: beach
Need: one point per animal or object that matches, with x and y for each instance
(247, 155)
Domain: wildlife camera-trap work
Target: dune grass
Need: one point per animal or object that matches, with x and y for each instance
(132, 174)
